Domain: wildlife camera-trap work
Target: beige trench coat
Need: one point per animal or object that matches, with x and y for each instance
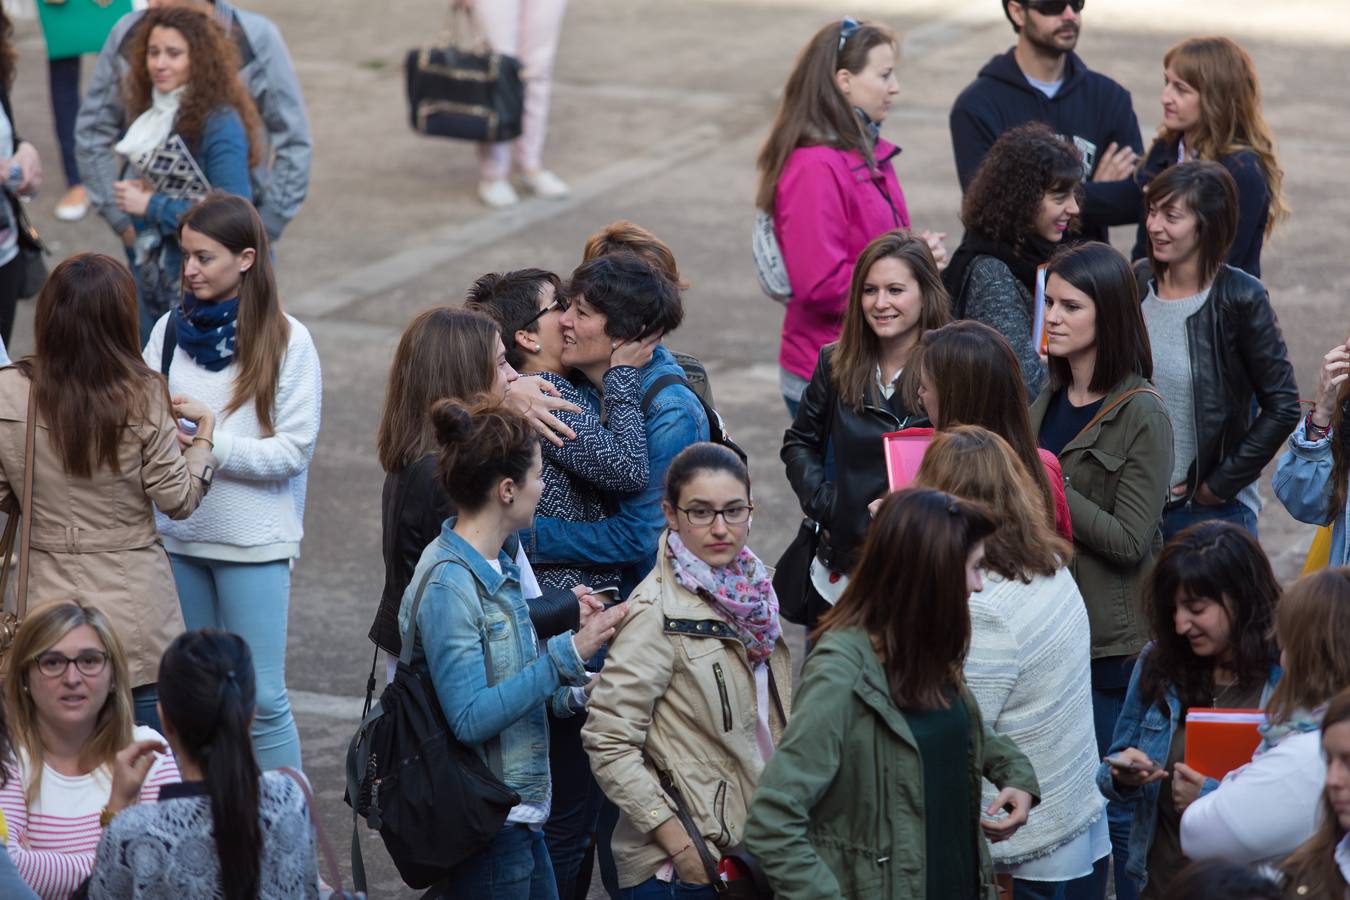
(94, 539)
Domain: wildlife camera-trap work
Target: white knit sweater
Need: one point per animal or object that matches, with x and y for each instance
(1030, 669)
(255, 509)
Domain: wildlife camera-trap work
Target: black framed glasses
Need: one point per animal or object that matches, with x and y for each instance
(559, 303)
(89, 662)
(1054, 7)
(702, 516)
(847, 29)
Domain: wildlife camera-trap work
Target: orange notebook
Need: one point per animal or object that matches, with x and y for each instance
(1221, 740)
(904, 453)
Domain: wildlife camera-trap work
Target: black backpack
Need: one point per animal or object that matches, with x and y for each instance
(433, 800)
(696, 379)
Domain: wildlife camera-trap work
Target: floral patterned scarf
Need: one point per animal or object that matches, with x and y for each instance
(1301, 721)
(741, 593)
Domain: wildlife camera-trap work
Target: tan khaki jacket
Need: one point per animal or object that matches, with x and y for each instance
(94, 539)
(677, 694)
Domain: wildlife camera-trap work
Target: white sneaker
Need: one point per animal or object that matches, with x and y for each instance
(74, 206)
(544, 183)
(497, 194)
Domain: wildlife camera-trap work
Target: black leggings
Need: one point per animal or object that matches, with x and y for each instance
(9, 297)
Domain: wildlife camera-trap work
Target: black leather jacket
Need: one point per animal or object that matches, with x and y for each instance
(840, 506)
(412, 510)
(1237, 352)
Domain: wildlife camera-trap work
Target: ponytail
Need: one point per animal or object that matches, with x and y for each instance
(207, 693)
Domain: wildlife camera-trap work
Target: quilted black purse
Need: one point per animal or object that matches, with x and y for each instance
(462, 89)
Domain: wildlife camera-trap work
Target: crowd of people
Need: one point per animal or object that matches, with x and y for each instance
(1002, 654)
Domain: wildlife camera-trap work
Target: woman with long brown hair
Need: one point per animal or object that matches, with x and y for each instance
(106, 454)
(1030, 658)
(66, 695)
(966, 373)
(1314, 473)
(1315, 869)
(231, 344)
(895, 298)
(827, 180)
(873, 790)
(186, 98)
(1211, 104)
(1270, 806)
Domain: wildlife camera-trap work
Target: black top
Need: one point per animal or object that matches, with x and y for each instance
(943, 736)
(1063, 421)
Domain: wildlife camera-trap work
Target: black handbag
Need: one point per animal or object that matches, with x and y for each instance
(32, 252)
(792, 572)
(433, 800)
(462, 89)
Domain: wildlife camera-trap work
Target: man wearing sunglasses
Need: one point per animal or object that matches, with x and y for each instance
(1041, 79)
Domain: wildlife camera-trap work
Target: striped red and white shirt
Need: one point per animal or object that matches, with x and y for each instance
(53, 841)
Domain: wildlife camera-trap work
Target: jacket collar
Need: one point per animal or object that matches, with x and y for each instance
(1089, 437)
(461, 551)
(870, 686)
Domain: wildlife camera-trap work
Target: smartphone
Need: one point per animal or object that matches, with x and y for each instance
(609, 595)
(1129, 765)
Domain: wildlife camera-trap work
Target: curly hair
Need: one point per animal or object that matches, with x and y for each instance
(1024, 165)
(213, 75)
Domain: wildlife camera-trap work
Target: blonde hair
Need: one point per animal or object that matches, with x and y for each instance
(1230, 110)
(616, 237)
(1312, 621)
(40, 631)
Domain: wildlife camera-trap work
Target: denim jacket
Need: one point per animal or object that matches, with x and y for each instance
(466, 608)
(629, 537)
(1149, 729)
(1303, 484)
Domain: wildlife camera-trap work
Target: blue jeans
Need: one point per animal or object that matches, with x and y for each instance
(1037, 890)
(514, 866)
(570, 830)
(63, 78)
(1110, 680)
(651, 889)
(251, 600)
(1180, 518)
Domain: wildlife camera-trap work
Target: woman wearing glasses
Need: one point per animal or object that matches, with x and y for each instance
(68, 699)
(695, 692)
(828, 181)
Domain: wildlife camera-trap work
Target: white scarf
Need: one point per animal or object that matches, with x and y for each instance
(151, 127)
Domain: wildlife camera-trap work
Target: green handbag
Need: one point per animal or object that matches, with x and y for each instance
(76, 27)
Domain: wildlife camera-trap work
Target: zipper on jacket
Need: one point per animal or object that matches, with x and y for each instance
(722, 691)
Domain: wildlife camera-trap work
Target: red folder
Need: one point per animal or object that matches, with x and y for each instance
(1221, 740)
(904, 453)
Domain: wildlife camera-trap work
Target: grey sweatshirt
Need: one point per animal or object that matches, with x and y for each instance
(994, 296)
(280, 181)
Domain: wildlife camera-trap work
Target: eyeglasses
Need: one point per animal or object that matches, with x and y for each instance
(559, 303)
(848, 28)
(89, 662)
(1053, 7)
(702, 516)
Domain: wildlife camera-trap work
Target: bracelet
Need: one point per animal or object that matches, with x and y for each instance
(210, 443)
(1315, 431)
(688, 846)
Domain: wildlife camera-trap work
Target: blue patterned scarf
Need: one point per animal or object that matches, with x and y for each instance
(206, 331)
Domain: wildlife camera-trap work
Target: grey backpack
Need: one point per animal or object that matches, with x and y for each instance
(769, 265)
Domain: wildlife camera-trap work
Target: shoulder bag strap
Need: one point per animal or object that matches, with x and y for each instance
(26, 502)
(325, 846)
(170, 343)
(1101, 413)
(690, 826)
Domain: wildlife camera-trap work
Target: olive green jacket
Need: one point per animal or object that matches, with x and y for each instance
(839, 811)
(1116, 476)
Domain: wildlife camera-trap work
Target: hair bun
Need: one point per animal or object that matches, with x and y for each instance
(453, 422)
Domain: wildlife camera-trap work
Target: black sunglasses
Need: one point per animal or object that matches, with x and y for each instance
(559, 303)
(1054, 7)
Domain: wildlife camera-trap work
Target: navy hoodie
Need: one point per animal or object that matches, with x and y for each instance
(1090, 110)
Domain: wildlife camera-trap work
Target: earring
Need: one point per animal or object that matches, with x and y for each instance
(613, 345)
(510, 499)
(537, 348)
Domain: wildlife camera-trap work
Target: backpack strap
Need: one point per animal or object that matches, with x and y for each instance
(660, 385)
(170, 343)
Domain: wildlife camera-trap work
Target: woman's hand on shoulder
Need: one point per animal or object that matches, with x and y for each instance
(537, 400)
(636, 353)
(597, 631)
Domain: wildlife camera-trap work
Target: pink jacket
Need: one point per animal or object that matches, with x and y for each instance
(827, 208)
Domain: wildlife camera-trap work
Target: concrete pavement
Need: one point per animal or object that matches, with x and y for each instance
(658, 114)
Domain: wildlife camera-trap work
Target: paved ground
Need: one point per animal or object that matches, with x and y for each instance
(659, 110)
